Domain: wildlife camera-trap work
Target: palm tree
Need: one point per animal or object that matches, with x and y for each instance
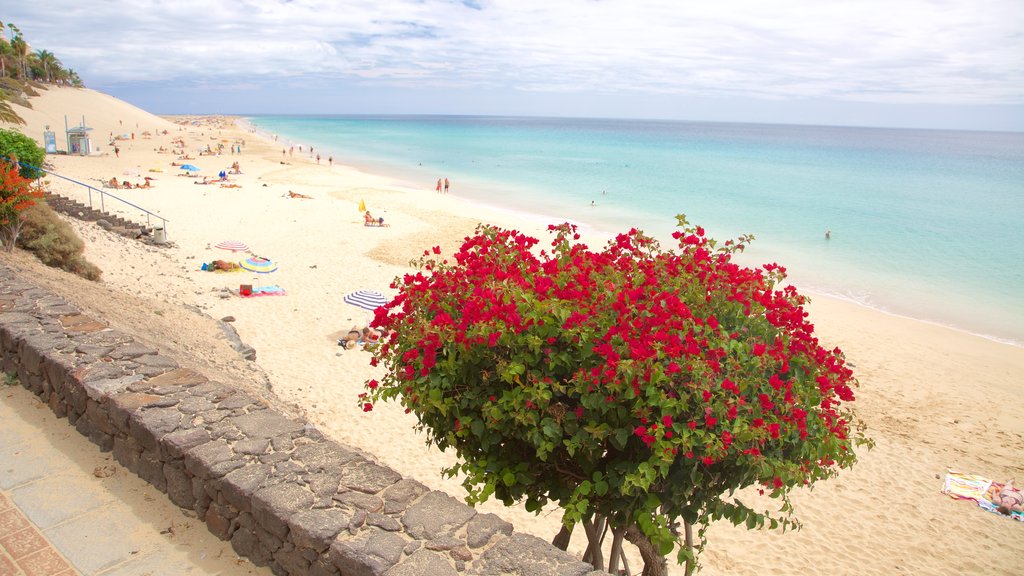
(21, 49)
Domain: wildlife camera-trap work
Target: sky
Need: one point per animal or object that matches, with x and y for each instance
(902, 63)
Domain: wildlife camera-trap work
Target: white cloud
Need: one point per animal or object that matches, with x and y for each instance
(935, 51)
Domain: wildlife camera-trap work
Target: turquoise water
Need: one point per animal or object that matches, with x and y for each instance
(924, 223)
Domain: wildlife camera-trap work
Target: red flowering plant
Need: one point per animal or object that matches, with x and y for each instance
(16, 194)
(636, 387)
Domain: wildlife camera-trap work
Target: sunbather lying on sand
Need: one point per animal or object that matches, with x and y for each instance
(1010, 499)
(291, 194)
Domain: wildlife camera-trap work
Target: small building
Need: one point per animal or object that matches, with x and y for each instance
(78, 141)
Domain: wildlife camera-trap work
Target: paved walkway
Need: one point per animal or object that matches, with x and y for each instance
(67, 509)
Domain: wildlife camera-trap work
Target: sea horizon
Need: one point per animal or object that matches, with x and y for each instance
(903, 206)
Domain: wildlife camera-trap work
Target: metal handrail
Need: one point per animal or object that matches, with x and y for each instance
(103, 194)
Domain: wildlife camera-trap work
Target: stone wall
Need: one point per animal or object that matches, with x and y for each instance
(282, 493)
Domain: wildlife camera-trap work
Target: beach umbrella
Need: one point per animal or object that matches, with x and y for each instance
(190, 168)
(362, 206)
(366, 299)
(258, 265)
(233, 246)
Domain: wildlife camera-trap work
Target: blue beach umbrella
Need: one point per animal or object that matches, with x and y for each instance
(190, 168)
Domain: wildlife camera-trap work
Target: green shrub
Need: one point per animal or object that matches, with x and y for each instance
(25, 149)
(55, 243)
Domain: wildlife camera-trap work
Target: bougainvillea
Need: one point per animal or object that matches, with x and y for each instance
(634, 385)
(16, 194)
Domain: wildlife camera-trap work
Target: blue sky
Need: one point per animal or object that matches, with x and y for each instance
(915, 63)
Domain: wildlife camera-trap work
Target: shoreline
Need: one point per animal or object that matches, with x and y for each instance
(932, 397)
(882, 297)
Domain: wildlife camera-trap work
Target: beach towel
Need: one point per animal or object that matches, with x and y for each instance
(965, 486)
(264, 291)
(984, 492)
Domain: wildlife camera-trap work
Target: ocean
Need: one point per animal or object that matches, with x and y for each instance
(927, 224)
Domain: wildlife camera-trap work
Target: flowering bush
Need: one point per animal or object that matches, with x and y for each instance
(16, 194)
(633, 386)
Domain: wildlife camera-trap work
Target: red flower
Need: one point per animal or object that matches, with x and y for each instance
(367, 407)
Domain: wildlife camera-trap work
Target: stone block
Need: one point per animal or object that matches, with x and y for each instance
(274, 505)
(122, 405)
(316, 529)
(212, 459)
(127, 451)
(99, 389)
(436, 514)
(239, 485)
(219, 521)
(265, 424)
(525, 554)
(149, 425)
(179, 485)
(175, 444)
(400, 495)
(151, 469)
(483, 527)
(292, 561)
(368, 477)
(361, 500)
(427, 562)
(352, 559)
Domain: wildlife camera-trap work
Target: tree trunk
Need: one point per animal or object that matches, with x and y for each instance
(594, 556)
(654, 563)
(616, 552)
(561, 540)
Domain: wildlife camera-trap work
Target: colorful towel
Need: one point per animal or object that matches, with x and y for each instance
(965, 486)
(264, 291)
(981, 490)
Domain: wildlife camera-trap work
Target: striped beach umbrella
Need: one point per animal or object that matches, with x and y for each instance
(232, 245)
(366, 299)
(258, 265)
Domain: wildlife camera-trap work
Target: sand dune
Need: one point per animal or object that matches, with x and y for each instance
(932, 397)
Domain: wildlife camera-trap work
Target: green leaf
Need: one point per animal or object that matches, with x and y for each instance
(601, 488)
(509, 478)
(586, 488)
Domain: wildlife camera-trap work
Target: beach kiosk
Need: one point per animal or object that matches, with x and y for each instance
(78, 139)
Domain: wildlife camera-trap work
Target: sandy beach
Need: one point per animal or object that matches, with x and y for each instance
(932, 398)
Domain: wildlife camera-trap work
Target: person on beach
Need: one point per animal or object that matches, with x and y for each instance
(1011, 499)
(330, 160)
(445, 185)
(438, 189)
(117, 151)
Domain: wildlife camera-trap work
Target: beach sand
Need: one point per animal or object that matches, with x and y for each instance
(932, 398)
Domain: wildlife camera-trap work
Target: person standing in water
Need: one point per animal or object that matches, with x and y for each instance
(438, 189)
(445, 185)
